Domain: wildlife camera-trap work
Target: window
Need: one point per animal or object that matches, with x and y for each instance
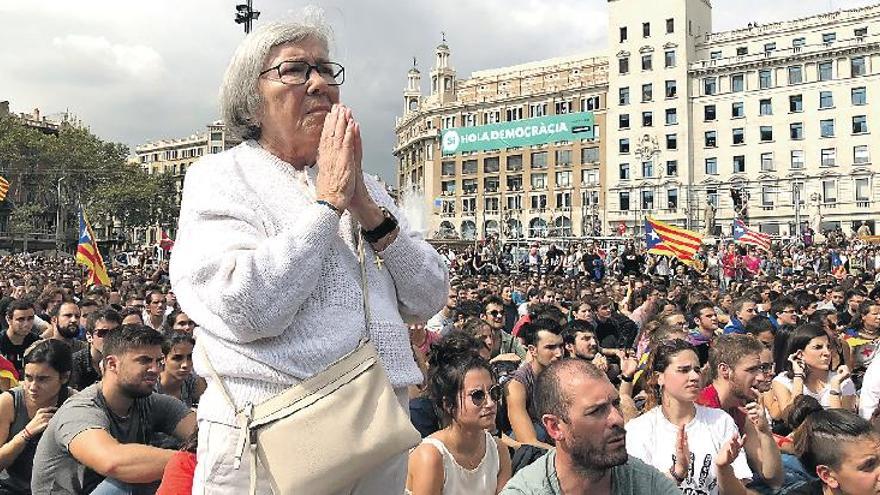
(826, 99)
(514, 183)
(469, 186)
(671, 168)
(469, 167)
(490, 184)
(765, 107)
(709, 113)
(769, 47)
(624, 145)
(715, 55)
(857, 66)
(859, 96)
(539, 159)
(514, 113)
(514, 163)
(671, 89)
(765, 79)
(623, 98)
(670, 26)
(711, 166)
(796, 103)
(739, 164)
(647, 200)
(737, 83)
(539, 201)
(537, 110)
(491, 204)
(623, 199)
(623, 65)
(795, 74)
(797, 159)
(671, 116)
(860, 155)
(863, 191)
(672, 141)
(563, 158)
(710, 85)
(798, 42)
(589, 155)
(590, 103)
(669, 58)
(646, 29)
(767, 195)
(623, 34)
(710, 139)
(829, 191)
(469, 119)
(563, 200)
(739, 136)
(860, 32)
(829, 37)
(563, 107)
(491, 165)
(624, 171)
(624, 121)
(712, 196)
(766, 133)
(829, 157)
(647, 62)
(796, 130)
(647, 119)
(826, 128)
(563, 179)
(539, 181)
(737, 109)
(860, 124)
(742, 50)
(767, 162)
(647, 92)
(514, 203)
(648, 169)
(672, 199)
(589, 177)
(825, 71)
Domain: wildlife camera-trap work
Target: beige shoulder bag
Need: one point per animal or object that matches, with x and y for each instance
(321, 436)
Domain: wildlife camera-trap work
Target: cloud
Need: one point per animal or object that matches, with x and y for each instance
(136, 61)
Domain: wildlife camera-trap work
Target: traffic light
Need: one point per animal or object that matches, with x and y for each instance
(245, 14)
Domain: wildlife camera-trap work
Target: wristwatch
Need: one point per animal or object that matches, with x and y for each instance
(386, 227)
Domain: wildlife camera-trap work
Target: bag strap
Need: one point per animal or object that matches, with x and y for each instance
(244, 416)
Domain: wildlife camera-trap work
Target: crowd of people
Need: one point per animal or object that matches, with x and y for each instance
(615, 366)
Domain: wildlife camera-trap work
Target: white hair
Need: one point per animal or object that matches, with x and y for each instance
(240, 100)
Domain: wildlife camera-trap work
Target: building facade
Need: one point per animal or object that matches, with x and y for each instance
(505, 189)
(174, 156)
(772, 122)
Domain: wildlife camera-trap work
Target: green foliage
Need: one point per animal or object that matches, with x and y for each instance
(92, 172)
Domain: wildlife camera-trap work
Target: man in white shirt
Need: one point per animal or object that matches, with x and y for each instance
(870, 395)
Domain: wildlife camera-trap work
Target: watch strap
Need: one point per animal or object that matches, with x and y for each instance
(383, 229)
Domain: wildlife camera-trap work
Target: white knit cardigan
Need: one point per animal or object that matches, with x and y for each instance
(272, 278)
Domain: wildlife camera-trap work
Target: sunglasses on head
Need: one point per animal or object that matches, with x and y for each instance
(478, 397)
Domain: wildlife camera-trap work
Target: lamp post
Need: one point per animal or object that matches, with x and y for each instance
(58, 230)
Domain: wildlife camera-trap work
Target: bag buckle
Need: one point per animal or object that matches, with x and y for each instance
(243, 418)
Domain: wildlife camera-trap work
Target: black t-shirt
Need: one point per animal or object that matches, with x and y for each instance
(15, 353)
(631, 262)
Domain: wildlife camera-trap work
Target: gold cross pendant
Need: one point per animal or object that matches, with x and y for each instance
(379, 262)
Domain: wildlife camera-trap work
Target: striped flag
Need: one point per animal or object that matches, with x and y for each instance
(4, 188)
(744, 235)
(669, 240)
(87, 253)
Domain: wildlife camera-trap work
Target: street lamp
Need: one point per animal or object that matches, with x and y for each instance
(58, 230)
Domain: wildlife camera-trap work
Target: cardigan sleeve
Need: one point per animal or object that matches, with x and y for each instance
(419, 273)
(228, 273)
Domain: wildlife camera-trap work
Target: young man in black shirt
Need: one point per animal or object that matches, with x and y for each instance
(19, 333)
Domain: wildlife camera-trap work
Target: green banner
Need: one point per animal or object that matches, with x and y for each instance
(540, 130)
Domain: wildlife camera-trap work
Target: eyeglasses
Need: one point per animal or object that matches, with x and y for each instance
(296, 72)
(479, 396)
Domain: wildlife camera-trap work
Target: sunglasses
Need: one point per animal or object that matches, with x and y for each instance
(495, 313)
(478, 397)
(101, 333)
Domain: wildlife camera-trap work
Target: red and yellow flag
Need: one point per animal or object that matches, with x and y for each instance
(87, 253)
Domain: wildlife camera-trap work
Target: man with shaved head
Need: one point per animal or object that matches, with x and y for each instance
(580, 410)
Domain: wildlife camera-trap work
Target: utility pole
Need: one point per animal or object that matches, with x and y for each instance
(245, 14)
(797, 210)
(58, 230)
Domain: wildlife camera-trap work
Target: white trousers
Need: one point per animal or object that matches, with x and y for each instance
(215, 474)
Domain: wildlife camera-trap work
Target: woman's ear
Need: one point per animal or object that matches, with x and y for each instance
(828, 476)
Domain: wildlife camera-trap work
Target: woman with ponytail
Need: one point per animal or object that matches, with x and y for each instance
(463, 457)
(698, 447)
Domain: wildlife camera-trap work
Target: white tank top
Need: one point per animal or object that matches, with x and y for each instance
(480, 481)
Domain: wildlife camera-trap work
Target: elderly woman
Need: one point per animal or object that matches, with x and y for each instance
(266, 256)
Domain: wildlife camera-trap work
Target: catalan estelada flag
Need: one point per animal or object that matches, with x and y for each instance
(4, 188)
(87, 253)
(669, 240)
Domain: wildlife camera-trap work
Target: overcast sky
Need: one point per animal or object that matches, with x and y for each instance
(137, 71)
